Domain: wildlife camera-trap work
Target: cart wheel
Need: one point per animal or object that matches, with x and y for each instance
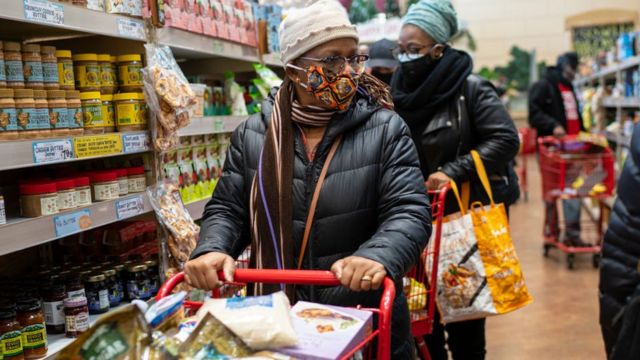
(571, 258)
(546, 249)
(596, 261)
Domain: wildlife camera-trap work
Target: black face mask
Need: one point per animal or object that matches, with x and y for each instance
(384, 77)
(415, 72)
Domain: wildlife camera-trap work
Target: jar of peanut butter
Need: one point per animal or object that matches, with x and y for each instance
(42, 113)
(87, 72)
(8, 120)
(32, 66)
(3, 75)
(108, 113)
(50, 68)
(13, 65)
(130, 72)
(26, 114)
(65, 70)
(58, 112)
(92, 111)
(75, 117)
(107, 84)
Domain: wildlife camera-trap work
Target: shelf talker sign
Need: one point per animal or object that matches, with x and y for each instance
(130, 207)
(97, 145)
(44, 11)
(52, 151)
(72, 223)
(132, 143)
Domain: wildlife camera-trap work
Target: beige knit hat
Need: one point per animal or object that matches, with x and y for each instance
(317, 23)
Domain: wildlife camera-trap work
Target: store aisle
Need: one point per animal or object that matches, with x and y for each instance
(562, 323)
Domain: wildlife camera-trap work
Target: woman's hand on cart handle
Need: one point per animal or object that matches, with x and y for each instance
(559, 131)
(437, 180)
(359, 274)
(202, 272)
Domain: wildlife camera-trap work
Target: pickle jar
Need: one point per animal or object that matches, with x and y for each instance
(75, 117)
(3, 75)
(131, 114)
(50, 68)
(108, 114)
(13, 65)
(8, 119)
(58, 118)
(130, 72)
(42, 113)
(65, 70)
(107, 84)
(26, 114)
(92, 112)
(32, 66)
(87, 72)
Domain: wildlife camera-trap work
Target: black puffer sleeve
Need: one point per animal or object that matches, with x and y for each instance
(538, 116)
(404, 216)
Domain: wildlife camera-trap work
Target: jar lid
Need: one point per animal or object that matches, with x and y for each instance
(103, 176)
(82, 181)
(104, 57)
(63, 53)
(48, 49)
(56, 94)
(6, 93)
(27, 305)
(31, 48)
(151, 263)
(125, 96)
(140, 96)
(109, 272)
(96, 267)
(121, 172)
(118, 267)
(136, 170)
(84, 272)
(90, 95)
(129, 57)
(106, 97)
(72, 94)
(113, 58)
(85, 57)
(12, 46)
(76, 301)
(23, 93)
(38, 188)
(6, 314)
(39, 94)
(65, 184)
(137, 268)
(95, 278)
(53, 287)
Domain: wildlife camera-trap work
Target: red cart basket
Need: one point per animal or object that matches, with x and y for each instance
(574, 170)
(311, 277)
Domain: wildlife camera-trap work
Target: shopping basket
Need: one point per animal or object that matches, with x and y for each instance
(527, 147)
(310, 277)
(425, 273)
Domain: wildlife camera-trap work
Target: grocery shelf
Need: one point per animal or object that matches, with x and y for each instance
(610, 70)
(196, 208)
(623, 102)
(23, 152)
(212, 125)
(23, 233)
(190, 45)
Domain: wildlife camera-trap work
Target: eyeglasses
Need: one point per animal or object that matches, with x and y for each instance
(335, 65)
(411, 50)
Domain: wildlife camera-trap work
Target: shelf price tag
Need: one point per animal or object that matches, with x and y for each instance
(52, 151)
(131, 28)
(218, 125)
(72, 223)
(44, 11)
(130, 207)
(135, 142)
(218, 47)
(97, 145)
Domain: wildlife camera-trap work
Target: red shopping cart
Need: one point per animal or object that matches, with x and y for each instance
(425, 273)
(312, 277)
(574, 173)
(527, 147)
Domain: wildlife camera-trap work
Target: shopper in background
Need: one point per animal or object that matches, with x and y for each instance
(553, 110)
(620, 266)
(451, 112)
(381, 60)
(372, 217)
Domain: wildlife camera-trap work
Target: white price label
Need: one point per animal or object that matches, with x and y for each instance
(130, 207)
(131, 28)
(218, 125)
(132, 143)
(218, 47)
(52, 151)
(44, 11)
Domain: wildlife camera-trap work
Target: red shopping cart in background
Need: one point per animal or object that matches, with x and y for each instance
(574, 169)
(528, 138)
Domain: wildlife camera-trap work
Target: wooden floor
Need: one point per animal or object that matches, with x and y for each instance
(562, 323)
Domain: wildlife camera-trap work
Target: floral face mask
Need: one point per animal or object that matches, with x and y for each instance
(334, 91)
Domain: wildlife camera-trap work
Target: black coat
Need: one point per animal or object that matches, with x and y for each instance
(619, 270)
(477, 120)
(373, 202)
(546, 108)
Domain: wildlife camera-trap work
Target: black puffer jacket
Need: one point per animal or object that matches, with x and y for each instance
(620, 267)
(373, 202)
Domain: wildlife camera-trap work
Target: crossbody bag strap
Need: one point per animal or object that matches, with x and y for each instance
(314, 200)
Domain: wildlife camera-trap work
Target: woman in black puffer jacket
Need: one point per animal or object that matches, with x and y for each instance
(620, 266)
(372, 218)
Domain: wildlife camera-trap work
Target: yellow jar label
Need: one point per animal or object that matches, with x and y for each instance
(106, 75)
(131, 114)
(108, 116)
(92, 116)
(130, 75)
(11, 344)
(65, 74)
(34, 336)
(87, 76)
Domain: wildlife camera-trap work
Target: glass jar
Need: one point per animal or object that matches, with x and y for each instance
(97, 293)
(137, 179)
(3, 75)
(13, 65)
(58, 112)
(86, 72)
(136, 282)
(50, 68)
(75, 117)
(53, 295)
(34, 333)
(112, 285)
(74, 286)
(76, 314)
(92, 112)
(121, 279)
(65, 70)
(104, 185)
(38, 199)
(153, 274)
(32, 67)
(26, 114)
(8, 117)
(107, 113)
(10, 334)
(130, 72)
(107, 84)
(66, 194)
(114, 68)
(83, 191)
(130, 112)
(42, 113)
(123, 181)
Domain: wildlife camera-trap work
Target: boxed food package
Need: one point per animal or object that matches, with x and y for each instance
(199, 90)
(327, 332)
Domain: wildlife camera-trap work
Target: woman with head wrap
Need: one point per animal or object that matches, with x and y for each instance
(451, 112)
(372, 215)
